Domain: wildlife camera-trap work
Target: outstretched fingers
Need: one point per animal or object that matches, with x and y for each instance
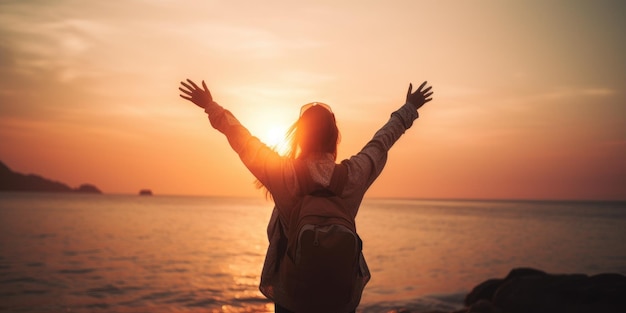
(187, 92)
(206, 91)
(186, 86)
(191, 88)
(193, 84)
(421, 86)
(426, 93)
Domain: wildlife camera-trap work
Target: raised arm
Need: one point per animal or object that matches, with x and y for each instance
(370, 161)
(264, 163)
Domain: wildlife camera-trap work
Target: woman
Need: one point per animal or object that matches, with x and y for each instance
(314, 139)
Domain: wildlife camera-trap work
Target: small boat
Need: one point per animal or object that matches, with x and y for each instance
(145, 192)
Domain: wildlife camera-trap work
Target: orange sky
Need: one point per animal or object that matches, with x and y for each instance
(529, 95)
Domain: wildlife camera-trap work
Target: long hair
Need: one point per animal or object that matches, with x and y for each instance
(314, 133)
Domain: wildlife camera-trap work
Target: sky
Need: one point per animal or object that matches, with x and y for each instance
(529, 98)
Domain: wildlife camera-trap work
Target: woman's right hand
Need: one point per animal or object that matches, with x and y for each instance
(419, 97)
(200, 96)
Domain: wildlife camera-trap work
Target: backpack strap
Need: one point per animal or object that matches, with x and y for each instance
(339, 179)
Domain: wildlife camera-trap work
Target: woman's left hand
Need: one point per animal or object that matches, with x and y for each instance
(420, 96)
(200, 96)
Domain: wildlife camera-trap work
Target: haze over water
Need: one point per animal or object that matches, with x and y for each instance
(113, 253)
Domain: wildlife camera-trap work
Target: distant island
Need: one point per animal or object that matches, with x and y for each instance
(145, 192)
(13, 181)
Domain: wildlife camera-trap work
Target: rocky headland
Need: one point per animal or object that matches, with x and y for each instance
(14, 181)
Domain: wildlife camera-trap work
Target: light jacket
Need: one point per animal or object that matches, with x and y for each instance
(278, 175)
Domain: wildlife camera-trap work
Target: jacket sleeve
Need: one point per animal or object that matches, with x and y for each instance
(273, 171)
(367, 165)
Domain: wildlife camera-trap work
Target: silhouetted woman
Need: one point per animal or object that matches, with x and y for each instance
(313, 142)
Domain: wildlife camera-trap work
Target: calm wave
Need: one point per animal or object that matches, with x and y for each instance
(113, 253)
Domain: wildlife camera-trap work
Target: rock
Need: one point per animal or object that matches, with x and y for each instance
(529, 290)
(145, 192)
(483, 291)
(13, 181)
(524, 272)
(88, 188)
(484, 306)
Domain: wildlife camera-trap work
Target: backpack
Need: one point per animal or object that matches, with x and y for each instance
(321, 267)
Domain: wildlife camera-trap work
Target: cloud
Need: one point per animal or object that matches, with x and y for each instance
(601, 92)
(40, 43)
(571, 92)
(248, 41)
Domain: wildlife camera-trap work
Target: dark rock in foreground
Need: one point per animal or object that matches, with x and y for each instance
(527, 290)
(13, 181)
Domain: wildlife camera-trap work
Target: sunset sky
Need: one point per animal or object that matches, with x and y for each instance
(529, 103)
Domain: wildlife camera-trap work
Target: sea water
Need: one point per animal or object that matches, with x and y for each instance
(122, 253)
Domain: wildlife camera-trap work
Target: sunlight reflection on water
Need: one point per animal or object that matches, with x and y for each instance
(124, 253)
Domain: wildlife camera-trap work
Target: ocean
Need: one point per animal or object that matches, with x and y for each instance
(126, 253)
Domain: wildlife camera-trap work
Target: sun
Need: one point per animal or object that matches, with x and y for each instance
(270, 125)
(274, 137)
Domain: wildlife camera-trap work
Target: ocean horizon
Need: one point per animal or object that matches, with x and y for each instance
(172, 253)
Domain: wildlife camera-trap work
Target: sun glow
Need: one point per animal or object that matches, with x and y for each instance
(275, 138)
(270, 125)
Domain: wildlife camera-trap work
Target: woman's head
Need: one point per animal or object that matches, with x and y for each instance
(315, 132)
